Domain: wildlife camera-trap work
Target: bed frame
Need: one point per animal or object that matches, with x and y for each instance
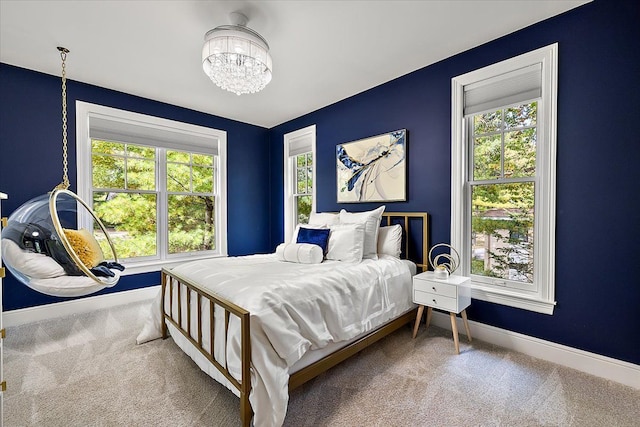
(185, 289)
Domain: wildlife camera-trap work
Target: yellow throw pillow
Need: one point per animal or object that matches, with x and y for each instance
(85, 246)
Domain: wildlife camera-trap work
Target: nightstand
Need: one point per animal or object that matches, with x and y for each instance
(452, 295)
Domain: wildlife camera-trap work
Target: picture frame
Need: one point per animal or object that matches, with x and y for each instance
(372, 169)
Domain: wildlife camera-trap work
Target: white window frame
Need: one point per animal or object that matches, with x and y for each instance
(302, 137)
(197, 139)
(541, 298)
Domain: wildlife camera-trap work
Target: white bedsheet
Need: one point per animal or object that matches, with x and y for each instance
(294, 308)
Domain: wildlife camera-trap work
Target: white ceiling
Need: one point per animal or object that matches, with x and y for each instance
(323, 51)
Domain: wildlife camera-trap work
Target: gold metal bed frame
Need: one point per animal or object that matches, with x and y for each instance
(185, 288)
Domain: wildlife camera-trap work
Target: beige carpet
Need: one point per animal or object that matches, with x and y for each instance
(86, 370)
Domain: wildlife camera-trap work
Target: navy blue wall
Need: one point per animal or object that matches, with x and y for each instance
(31, 161)
(598, 168)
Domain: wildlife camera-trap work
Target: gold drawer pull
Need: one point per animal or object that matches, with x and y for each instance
(3, 333)
(3, 386)
(3, 220)
(2, 272)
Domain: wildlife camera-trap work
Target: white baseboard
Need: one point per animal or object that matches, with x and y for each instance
(591, 363)
(77, 306)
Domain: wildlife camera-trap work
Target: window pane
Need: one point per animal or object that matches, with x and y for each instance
(202, 159)
(488, 122)
(108, 172)
(523, 115)
(309, 159)
(178, 177)
(520, 153)
(301, 179)
(141, 174)
(502, 231)
(191, 223)
(107, 147)
(178, 156)
(130, 219)
(309, 180)
(300, 160)
(140, 151)
(487, 157)
(303, 209)
(202, 179)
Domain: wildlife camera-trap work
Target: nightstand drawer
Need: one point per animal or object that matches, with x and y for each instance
(434, 287)
(435, 301)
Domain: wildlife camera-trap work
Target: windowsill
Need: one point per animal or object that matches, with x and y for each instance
(157, 265)
(511, 298)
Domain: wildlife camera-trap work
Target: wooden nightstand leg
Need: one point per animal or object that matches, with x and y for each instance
(429, 311)
(418, 318)
(454, 328)
(466, 323)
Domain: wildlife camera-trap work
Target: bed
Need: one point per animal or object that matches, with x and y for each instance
(262, 327)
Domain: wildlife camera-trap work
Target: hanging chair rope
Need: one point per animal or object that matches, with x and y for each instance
(65, 165)
(63, 187)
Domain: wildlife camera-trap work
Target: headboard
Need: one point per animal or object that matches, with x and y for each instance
(416, 240)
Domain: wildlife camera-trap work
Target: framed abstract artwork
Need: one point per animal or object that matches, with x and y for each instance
(373, 169)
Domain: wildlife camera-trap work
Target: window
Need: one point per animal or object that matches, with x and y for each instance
(158, 185)
(503, 179)
(303, 188)
(299, 178)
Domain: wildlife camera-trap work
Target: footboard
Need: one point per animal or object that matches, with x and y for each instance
(182, 319)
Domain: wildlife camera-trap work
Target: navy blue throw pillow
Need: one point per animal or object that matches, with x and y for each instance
(314, 236)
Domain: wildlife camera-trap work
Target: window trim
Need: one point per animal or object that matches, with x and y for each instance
(543, 299)
(289, 177)
(197, 136)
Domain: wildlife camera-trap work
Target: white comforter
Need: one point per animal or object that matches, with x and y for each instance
(294, 308)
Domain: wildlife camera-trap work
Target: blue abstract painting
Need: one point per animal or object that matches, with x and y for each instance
(372, 169)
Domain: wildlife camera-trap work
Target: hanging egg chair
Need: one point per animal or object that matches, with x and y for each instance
(42, 246)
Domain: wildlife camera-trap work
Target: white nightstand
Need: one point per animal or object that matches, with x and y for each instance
(452, 295)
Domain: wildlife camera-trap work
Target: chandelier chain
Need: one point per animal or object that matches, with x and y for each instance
(65, 164)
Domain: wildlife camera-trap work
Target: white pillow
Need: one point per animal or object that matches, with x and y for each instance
(346, 242)
(390, 240)
(371, 221)
(31, 264)
(324, 218)
(302, 253)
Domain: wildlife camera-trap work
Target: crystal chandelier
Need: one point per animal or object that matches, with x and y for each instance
(236, 58)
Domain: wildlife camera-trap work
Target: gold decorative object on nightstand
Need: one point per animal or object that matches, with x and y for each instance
(443, 269)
